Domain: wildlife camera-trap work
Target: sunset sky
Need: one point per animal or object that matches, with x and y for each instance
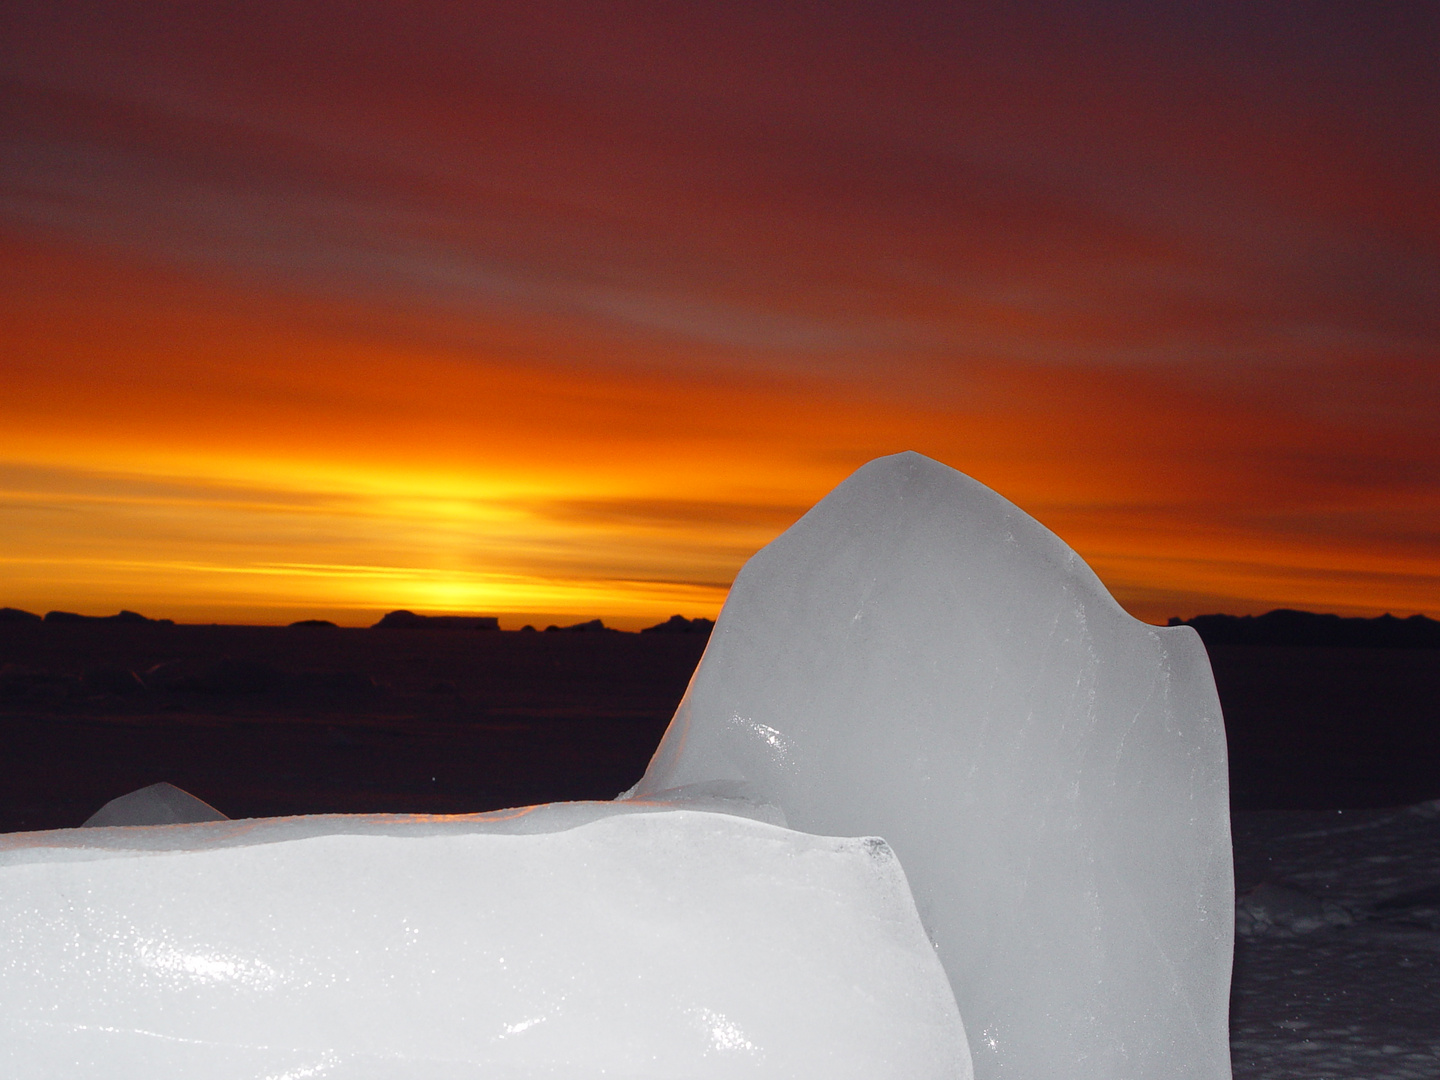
(556, 311)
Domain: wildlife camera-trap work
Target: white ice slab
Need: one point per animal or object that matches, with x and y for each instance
(574, 941)
(919, 659)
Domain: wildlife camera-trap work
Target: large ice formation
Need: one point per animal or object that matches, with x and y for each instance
(572, 941)
(918, 659)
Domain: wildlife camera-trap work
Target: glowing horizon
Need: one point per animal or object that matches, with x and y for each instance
(559, 314)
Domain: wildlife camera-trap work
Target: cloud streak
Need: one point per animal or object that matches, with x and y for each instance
(651, 278)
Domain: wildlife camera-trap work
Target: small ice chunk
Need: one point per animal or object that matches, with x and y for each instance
(158, 804)
(574, 941)
(919, 659)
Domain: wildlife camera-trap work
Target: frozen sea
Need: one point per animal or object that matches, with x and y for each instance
(1337, 952)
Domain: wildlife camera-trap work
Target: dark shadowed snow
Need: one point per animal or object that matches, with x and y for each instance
(1337, 953)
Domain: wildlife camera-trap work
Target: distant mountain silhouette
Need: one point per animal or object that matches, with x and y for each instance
(408, 620)
(1286, 627)
(678, 624)
(15, 615)
(594, 626)
(316, 622)
(122, 617)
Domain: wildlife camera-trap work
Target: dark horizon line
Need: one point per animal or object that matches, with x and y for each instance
(1278, 626)
(401, 618)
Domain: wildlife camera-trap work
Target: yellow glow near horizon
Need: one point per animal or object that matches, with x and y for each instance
(315, 472)
(323, 540)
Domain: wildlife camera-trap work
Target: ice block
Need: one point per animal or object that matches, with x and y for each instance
(569, 941)
(919, 659)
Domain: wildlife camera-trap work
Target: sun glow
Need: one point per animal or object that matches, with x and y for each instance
(348, 549)
(498, 336)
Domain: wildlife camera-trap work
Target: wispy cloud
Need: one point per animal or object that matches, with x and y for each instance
(587, 294)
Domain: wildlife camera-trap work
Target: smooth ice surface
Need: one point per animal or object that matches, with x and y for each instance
(918, 659)
(572, 940)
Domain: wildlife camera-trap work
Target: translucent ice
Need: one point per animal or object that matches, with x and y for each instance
(918, 659)
(569, 941)
(158, 804)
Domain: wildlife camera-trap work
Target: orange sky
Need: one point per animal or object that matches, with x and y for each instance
(323, 310)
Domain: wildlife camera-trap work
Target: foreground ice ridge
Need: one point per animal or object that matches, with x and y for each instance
(573, 941)
(918, 659)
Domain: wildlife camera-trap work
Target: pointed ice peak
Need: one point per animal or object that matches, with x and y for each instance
(919, 659)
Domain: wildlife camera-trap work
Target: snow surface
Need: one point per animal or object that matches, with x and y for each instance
(919, 659)
(576, 941)
(1341, 978)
